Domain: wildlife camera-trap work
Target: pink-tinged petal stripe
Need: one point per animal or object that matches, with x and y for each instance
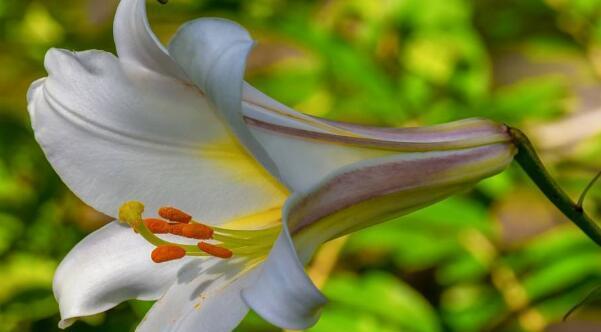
(457, 135)
(383, 176)
(459, 130)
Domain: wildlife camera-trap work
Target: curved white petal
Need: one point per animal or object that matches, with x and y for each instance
(106, 268)
(308, 151)
(283, 294)
(213, 54)
(136, 43)
(115, 135)
(205, 297)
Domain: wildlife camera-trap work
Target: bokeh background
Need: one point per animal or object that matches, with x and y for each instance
(498, 258)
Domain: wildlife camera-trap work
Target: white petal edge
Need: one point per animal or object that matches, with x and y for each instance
(205, 297)
(109, 266)
(115, 135)
(135, 42)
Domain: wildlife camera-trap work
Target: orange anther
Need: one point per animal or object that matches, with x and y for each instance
(167, 253)
(173, 214)
(157, 226)
(215, 250)
(197, 231)
(177, 229)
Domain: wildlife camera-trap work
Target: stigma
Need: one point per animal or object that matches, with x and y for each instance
(222, 243)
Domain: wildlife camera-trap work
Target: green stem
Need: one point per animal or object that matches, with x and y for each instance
(580, 202)
(527, 158)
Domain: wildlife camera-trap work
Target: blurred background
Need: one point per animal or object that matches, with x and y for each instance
(498, 258)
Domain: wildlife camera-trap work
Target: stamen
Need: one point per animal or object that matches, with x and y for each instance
(175, 215)
(249, 243)
(215, 250)
(177, 229)
(157, 226)
(167, 253)
(197, 231)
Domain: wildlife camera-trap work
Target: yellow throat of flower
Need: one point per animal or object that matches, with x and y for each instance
(213, 241)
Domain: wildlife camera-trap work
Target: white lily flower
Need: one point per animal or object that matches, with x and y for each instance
(180, 127)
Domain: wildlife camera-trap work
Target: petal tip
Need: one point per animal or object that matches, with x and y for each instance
(54, 56)
(207, 38)
(284, 295)
(66, 323)
(32, 94)
(61, 63)
(301, 321)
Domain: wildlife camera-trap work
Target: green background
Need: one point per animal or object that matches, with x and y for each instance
(498, 258)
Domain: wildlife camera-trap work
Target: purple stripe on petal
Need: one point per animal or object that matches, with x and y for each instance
(453, 131)
(383, 176)
(463, 134)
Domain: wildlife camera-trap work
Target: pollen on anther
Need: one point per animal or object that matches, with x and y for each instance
(176, 229)
(175, 215)
(215, 250)
(157, 226)
(197, 231)
(167, 253)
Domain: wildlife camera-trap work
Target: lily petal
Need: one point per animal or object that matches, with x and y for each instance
(305, 156)
(106, 268)
(283, 294)
(136, 43)
(352, 198)
(373, 191)
(205, 297)
(115, 135)
(213, 54)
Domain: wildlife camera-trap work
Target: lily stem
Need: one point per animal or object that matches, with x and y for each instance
(528, 159)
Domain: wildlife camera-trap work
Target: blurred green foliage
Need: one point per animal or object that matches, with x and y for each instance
(496, 259)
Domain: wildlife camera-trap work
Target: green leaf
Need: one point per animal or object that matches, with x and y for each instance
(10, 230)
(384, 303)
